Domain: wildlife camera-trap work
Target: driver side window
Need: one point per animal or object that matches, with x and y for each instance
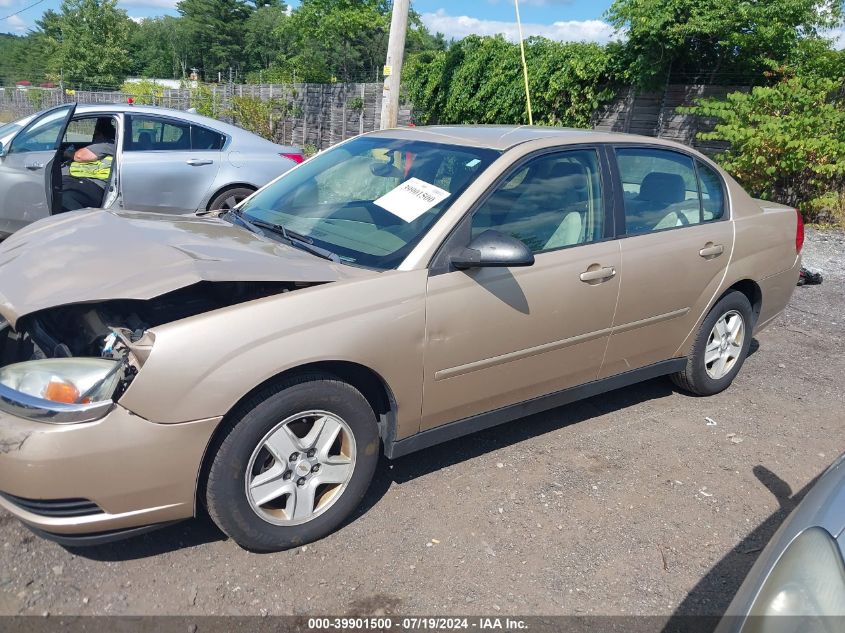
(42, 135)
(551, 202)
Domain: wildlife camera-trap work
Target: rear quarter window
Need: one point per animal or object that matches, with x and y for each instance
(712, 193)
(204, 139)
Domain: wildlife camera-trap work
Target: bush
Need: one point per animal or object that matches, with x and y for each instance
(479, 80)
(144, 92)
(203, 99)
(787, 142)
(258, 116)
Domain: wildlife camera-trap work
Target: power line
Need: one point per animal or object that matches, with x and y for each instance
(27, 8)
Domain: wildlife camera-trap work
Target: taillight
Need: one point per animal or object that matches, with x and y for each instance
(297, 158)
(799, 232)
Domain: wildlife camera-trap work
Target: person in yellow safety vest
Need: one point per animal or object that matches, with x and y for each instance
(85, 179)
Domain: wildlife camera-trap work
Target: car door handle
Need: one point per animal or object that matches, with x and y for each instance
(34, 166)
(598, 275)
(196, 162)
(711, 250)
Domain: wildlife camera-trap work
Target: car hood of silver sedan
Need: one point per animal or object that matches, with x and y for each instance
(98, 255)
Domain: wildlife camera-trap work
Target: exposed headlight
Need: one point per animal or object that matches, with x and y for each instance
(67, 380)
(808, 582)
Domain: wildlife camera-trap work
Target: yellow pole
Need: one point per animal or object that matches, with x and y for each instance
(524, 64)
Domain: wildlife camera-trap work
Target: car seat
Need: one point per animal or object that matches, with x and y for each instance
(144, 142)
(550, 212)
(658, 191)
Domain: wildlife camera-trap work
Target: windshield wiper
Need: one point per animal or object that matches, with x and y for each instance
(294, 238)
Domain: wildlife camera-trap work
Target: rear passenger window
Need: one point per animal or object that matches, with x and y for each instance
(151, 134)
(203, 138)
(712, 193)
(660, 189)
(551, 202)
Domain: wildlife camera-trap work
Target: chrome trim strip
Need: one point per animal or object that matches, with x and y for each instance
(39, 410)
(460, 370)
(633, 325)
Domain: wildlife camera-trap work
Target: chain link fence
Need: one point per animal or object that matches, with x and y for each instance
(315, 115)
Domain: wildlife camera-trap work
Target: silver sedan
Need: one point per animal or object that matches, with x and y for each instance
(165, 160)
(798, 582)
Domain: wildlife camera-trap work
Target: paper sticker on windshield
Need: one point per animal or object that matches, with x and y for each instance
(411, 199)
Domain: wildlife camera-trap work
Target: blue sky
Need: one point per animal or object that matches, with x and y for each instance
(558, 19)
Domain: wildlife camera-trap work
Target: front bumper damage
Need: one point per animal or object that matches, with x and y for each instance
(102, 478)
(74, 288)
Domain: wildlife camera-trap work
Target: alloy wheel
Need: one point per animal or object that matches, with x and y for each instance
(300, 468)
(724, 345)
(231, 201)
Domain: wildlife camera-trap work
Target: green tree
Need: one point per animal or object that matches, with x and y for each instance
(787, 142)
(93, 47)
(341, 40)
(334, 39)
(31, 57)
(160, 48)
(729, 41)
(262, 42)
(215, 31)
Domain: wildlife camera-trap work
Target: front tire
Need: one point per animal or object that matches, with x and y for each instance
(294, 464)
(720, 347)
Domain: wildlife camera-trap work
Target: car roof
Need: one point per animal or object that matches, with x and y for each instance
(220, 126)
(504, 137)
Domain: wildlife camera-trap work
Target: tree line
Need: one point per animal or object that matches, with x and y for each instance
(94, 44)
(787, 135)
(727, 42)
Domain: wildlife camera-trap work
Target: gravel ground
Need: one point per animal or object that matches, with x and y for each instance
(628, 503)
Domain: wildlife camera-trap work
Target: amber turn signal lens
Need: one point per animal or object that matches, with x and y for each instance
(58, 391)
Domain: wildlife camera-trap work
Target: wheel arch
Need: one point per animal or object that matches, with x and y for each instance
(369, 382)
(227, 187)
(752, 291)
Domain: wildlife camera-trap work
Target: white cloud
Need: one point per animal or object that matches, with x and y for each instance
(16, 24)
(565, 31)
(838, 37)
(6, 3)
(156, 4)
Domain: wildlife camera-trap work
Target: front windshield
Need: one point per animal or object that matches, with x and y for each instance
(372, 199)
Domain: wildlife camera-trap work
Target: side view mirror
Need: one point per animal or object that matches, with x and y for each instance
(493, 249)
(2, 150)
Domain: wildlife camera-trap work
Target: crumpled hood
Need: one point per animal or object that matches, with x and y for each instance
(97, 255)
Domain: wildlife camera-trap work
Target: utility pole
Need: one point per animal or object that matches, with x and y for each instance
(393, 65)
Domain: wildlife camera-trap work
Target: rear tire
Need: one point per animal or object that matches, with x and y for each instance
(720, 347)
(228, 198)
(294, 464)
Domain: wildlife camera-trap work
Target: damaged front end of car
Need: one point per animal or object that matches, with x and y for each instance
(71, 363)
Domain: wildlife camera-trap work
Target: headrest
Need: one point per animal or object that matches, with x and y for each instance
(569, 175)
(145, 141)
(663, 187)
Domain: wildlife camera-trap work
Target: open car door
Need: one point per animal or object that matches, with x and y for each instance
(31, 170)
